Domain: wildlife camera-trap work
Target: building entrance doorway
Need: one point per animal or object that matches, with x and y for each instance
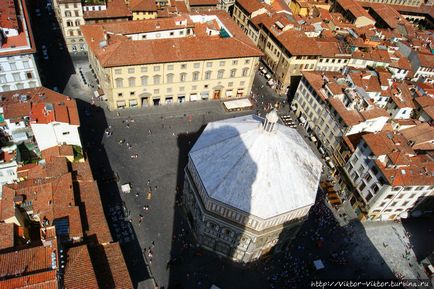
(216, 94)
(156, 101)
(145, 101)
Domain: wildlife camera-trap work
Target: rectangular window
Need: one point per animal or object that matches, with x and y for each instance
(16, 76)
(170, 67)
(222, 63)
(13, 66)
(196, 65)
(234, 62)
(183, 66)
(29, 75)
(209, 64)
(118, 71)
(156, 68)
(26, 64)
(144, 69)
(131, 70)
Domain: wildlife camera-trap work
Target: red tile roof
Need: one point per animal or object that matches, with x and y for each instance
(23, 43)
(354, 8)
(143, 5)
(110, 267)
(7, 239)
(203, 2)
(250, 5)
(115, 9)
(168, 50)
(26, 261)
(43, 280)
(79, 272)
(291, 40)
(64, 108)
(181, 6)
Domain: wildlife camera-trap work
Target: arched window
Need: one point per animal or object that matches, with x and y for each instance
(144, 80)
(119, 82)
(208, 75)
(68, 23)
(157, 79)
(67, 13)
(233, 72)
(245, 71)
(183, 77)
(71, 32)
(220, 73)
(77, 22)
(170, 77)
(196, 75)
(131, 81)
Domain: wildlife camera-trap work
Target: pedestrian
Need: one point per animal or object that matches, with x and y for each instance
(140, 219)
(148, 182)
(155, 189)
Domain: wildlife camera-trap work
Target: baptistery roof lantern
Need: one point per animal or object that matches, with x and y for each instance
(270, 121)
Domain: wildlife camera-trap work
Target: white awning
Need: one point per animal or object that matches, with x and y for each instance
(194, 97)
(270, 82)
(293, 107)
(267, 76)
(238, 103)
(133, 102)
(228, 92)
(313, 138)
(204, 94)
(121, 103)
(331, 164)
(302, 119)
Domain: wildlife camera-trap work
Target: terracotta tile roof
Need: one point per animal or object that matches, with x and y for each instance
(64, 108)
(373, 55)
(95, 223)
(412, 169)
(401, 95)
(181, 7)
(429, 110)
(79, 272)
(7, 239)
(421, 135)
(115, 9)
(250, 5)
(425, 101)
(43, 280)
(203, 2)
(26, 261)
(23, 43)
(291, 40)
(143, 5)
(389, 15)
(354, 8)
(426, 60)
(169, 50)
(51, 198)
(110, 267)
(148, 25)
(58, 151)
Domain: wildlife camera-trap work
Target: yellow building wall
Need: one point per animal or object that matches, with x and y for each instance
(138, 94)
(144, 15)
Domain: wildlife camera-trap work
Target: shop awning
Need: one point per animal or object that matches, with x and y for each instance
(194, 97)
(121, 103)
(237, 104)
(293, 108)
(302, 119)
(133, 102)
(204, 94)
(228, 92)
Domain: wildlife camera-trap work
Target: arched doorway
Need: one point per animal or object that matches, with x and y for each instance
(145, 99)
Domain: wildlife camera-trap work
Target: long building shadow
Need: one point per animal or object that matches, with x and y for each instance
(421, 235)
(46, 31)
(92, 131)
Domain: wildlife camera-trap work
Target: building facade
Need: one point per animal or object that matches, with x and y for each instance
(18, 68)
(386, 187)
(69, 14)
(185, 72)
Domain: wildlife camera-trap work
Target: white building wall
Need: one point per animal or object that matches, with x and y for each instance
(372, 125)
(424, 74)
(331, 64)
(18, 72)
(397, 73)
(8, 173)
(53, 134)
(402, 113)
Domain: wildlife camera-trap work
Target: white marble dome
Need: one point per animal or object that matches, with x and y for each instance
(263, 174)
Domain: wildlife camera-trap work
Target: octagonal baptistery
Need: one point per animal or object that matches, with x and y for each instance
(249, 185)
